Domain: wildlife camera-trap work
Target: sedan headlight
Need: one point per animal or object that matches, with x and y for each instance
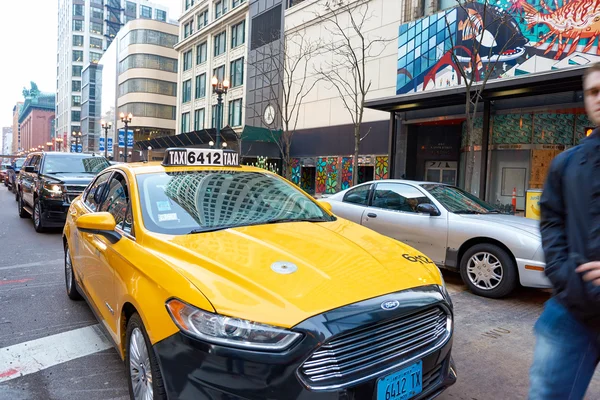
(229, 331)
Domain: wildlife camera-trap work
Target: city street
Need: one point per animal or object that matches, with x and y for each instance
(64, 355)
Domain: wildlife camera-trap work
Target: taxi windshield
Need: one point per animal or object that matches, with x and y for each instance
(201, 201)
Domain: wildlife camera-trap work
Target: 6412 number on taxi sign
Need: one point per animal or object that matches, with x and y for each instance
(201, 157)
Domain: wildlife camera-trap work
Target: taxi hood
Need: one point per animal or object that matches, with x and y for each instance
(338, 263)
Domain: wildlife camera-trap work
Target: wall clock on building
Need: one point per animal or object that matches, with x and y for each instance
(269, 115)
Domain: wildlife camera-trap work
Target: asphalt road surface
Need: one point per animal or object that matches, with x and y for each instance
(51, 347)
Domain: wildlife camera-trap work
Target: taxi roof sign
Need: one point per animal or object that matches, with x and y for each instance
(178, 157)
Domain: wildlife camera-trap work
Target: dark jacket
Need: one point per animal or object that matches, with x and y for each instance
(570, 226)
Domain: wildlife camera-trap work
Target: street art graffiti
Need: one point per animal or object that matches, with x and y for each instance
(332, 175)
(296, 170)
(381, 167)
(346, 172)
(504, 38)
(321, 174)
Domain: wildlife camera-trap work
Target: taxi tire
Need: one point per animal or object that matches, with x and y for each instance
(509, 280)
(158, 386)
(22, 212)
(73, 293)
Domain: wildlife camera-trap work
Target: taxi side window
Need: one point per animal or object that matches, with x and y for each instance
(398, 197)
(358, 195)
(96, 192)
(116, 201)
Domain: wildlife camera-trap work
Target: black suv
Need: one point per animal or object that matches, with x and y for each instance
(49, 181)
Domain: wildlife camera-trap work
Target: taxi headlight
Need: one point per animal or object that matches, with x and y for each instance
(229, 331)
(444, 290)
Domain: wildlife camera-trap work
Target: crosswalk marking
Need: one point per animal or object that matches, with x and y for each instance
(36, 355)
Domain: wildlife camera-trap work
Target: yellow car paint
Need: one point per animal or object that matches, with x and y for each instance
(229, 271)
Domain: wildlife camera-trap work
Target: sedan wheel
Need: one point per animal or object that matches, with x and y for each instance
(488, 270)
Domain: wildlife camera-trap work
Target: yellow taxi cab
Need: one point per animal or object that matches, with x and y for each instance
(216, 280)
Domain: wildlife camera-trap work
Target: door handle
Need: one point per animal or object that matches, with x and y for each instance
(372, 215)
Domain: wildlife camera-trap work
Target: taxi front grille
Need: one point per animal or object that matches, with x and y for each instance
(351, 356)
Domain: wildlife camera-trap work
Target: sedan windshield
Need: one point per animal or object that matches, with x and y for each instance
(458, 201)
(58, 164)
(204, 201)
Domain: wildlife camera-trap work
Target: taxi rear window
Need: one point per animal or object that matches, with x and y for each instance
(183, 202)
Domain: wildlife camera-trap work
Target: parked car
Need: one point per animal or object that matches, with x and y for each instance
(492, 251)
(4, 173)
(49, 181)
(13, 172)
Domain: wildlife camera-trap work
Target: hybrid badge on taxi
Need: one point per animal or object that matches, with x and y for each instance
(216, 280)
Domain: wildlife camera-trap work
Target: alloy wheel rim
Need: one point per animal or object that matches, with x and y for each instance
(485, 271)
(139, 367)
(36, 214)
(68, 269)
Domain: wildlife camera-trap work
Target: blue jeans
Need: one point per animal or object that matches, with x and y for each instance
(565, 357)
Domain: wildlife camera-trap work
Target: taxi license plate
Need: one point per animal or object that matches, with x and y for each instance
(401, 385)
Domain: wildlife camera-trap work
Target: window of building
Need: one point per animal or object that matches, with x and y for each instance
(219, 72)
(220, 8)
(199, 119)
(77, 55)
(235, 112)
(77, 25)
(146, 12)
(188, 29)
(201, 53)
(76, 101)
(95, 43)
(215, 110)
(187, 91)
(188, 4)
(76, 116)
(95, 57)
(78, 10)
(149, 110)
(96, 12)
(236, 72)
(185, 122)
(161, 15)
(266, 28)
(77, 40)
(150, 61)
(187, 60)
(200, 86)
(130, 8)
(76, 86)
(148, 36)
(146, 85)
(238, 34)
(237, 3)
(220, 43)
(77, 70)
(202, 19)
(96, 27)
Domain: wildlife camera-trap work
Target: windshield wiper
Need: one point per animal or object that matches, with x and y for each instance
(273, 221)
(467, 212)
(213, 229)
(282, 220)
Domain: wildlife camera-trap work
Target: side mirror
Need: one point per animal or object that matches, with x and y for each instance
(99, 223)
(325, 205)
(29, 168)
(427, 208)
(10, 167)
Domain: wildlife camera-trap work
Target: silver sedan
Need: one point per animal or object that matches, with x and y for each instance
(492, 251)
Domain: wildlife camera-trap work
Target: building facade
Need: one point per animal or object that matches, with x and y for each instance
(16, 129)
(7, 138)
(85, 30)
(137, 75)
(212, 42)
(36, 121)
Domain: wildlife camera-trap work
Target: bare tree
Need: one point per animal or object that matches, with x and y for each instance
(350, 48)
(478, 50)
(283, 80)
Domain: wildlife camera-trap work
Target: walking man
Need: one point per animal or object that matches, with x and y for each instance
(567, 347)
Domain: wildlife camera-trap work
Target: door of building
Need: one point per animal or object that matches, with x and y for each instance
(441, 171)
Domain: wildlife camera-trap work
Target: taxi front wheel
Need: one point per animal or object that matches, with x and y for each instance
(70, 276)
(145, 379)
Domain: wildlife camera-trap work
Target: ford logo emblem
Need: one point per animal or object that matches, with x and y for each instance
(390, 305)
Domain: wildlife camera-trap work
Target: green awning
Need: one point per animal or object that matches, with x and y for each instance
(259, 134)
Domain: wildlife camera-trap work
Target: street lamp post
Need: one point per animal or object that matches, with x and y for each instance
(126, 119)
(106, 126)
(49, 144)
(59, 142)
(77, 136)
(148, 155)
(220, 88)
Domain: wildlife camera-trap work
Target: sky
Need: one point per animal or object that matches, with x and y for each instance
(28, 41)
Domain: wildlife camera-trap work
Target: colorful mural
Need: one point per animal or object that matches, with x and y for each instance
(332, 175)
(514, 37)
(346, 172)
(381, 167)
(295, 170)
(321, 175)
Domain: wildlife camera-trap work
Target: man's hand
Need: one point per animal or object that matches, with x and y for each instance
(591, 272)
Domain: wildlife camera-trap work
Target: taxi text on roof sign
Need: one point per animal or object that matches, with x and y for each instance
(200, 157)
